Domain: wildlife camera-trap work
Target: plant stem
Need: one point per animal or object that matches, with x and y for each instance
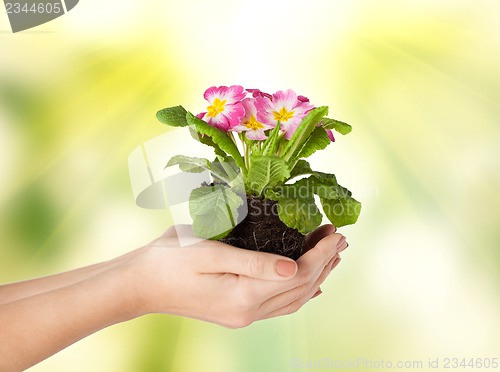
(247, 156)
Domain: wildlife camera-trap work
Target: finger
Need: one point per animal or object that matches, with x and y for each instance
(318, 292)
(310, 265)
(318, 256)
(284, 299)
(223, 258)
(295, 305)
(314, 237)
(335, 263)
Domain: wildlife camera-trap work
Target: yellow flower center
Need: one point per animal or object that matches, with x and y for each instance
(216, 108)
(283, 115)
(253, 124)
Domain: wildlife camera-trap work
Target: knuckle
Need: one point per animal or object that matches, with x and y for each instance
(303, 278)
(326, 246)
(255, 266)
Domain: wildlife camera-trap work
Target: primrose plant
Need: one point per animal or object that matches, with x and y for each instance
(260, 143)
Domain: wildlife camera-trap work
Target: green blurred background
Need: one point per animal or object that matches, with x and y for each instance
(419, 82)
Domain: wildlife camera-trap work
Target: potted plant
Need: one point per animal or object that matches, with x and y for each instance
(262, 194)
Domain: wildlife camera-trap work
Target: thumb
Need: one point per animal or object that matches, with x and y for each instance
(259, 265)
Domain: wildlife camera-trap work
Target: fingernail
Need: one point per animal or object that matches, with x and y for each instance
(286, 268)
(318, 292)
(335, 263)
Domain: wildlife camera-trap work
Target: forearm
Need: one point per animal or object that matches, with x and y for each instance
(36, 327)
(16, 291)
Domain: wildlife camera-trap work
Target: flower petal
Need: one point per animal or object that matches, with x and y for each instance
(256, 135)
(240, 128)
(285, 98)
(249, 106)
(235, 93)
(232, 94)
(290, 126)
(330, 135)
(218, 121)
(258, 93)
(303, 109)
(234, 114)
(211, 94)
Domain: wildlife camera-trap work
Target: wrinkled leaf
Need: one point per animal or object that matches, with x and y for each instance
(189, 164)
(299, 213)
(318, 140)
(198, 165)
(206, 140)
(219, 137)
(342, 211)
(173, 116)
(271, 143)
(303, 132)
(339, 126)
(214, 210)
(266, 172)
(322, 184)
(302, 167)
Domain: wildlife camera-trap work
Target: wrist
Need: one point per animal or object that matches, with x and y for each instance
(134, 285)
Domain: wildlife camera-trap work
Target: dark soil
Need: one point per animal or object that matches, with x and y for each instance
(262, 230)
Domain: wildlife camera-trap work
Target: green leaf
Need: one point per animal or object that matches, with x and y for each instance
(299, 213)
(310, 186)
(219, 137)
(189, 164)
(198, 165)
(318, 140)
(266, 172)
(173, 116)
(231, 171)
(214, 210)
(302, 167)
(271, 143)
(303, 132)
(342, 211)
(339, 126)
(208, 141)
(321, 184)
(325, 178)
(226, 166)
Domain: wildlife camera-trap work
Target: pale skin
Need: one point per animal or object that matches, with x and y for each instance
(209, 281)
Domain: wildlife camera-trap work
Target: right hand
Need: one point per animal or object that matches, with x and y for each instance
(229, 286)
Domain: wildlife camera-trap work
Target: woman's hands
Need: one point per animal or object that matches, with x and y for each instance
(229, 286)
(208, 280)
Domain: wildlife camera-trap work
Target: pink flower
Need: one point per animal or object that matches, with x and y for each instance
(328, 132)
(259, 93)
(225, 110)
(330, 135)
(254, 129)
(286, 108)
